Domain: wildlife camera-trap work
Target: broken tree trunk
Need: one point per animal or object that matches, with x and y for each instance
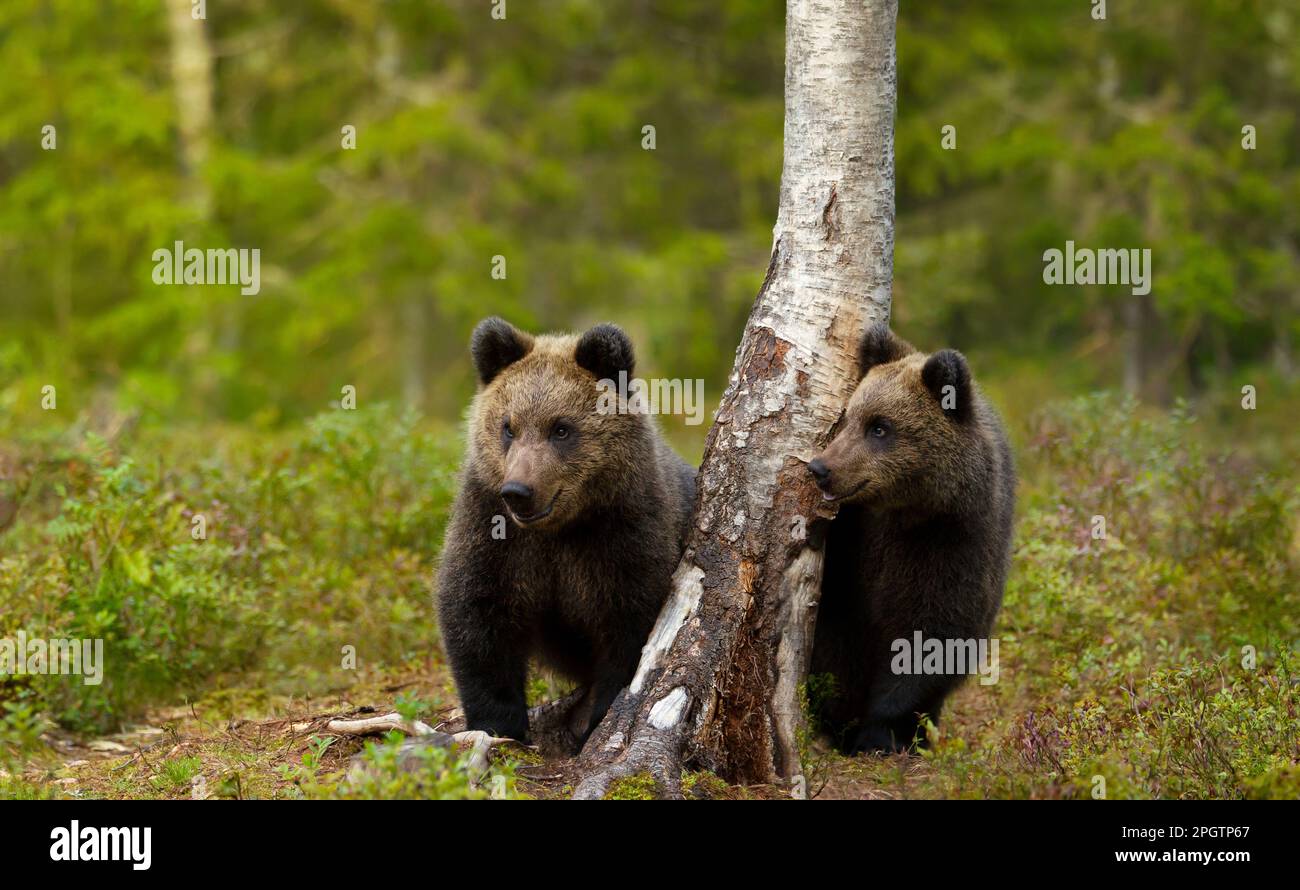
(719, 683)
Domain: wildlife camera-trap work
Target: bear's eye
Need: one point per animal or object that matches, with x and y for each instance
(561, 431)
(506, 432)
(879, 428)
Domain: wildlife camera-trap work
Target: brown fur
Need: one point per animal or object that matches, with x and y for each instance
(921, 543)
(579, 586)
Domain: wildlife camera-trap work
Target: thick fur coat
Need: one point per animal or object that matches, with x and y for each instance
(566, 531)
(922, 540)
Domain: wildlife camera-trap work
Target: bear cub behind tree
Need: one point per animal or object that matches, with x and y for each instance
(598, 506)
(921, 543)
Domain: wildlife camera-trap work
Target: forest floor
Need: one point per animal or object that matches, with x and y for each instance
(1148, 634)
(214, 749)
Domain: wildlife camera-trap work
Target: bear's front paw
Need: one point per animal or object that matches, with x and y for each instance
(877, 739)
(506, 726)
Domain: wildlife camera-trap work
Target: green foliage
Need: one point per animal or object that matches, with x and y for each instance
(1122, 133)
(316, 540)
(176, 773)
(14, 788)
(21, 726)
(1126, 657)
(1123, 657)
(521, 138)
(475, 138)
(20, 737)
(410, 709)
(816, 690)
(305, 771)
(1282, 783)
(426, 773)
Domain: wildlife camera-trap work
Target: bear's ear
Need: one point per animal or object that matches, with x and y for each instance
(879, 346)
(604, 351)
(947, 377)
(496, 344)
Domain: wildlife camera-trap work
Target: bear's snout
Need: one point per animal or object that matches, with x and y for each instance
(518, 497)
(820, 472)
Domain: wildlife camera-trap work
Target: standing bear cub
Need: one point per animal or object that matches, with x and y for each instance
(598, 505)
(921, 542)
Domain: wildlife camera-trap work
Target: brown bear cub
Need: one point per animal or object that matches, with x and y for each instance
(598, 505)
(921, 543)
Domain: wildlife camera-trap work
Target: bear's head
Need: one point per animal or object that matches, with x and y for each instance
(905, 431)
(537, 438)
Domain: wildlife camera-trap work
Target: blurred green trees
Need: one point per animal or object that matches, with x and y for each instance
(1126, 132)
(523, 139)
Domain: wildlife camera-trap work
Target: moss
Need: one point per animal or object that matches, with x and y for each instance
(703, 785)
(638, 787)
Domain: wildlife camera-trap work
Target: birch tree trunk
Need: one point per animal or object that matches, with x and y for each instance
(719, 683)
(191, 64)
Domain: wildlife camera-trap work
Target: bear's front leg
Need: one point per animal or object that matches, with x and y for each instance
(492, 691)
(488, 659)
(892, 723)
(885, 737)
(611, 674)
(493, 699)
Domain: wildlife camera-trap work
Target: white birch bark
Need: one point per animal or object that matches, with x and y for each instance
(719, 680)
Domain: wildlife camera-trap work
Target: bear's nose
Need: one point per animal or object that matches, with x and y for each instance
(518, 497)
(820, 471)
